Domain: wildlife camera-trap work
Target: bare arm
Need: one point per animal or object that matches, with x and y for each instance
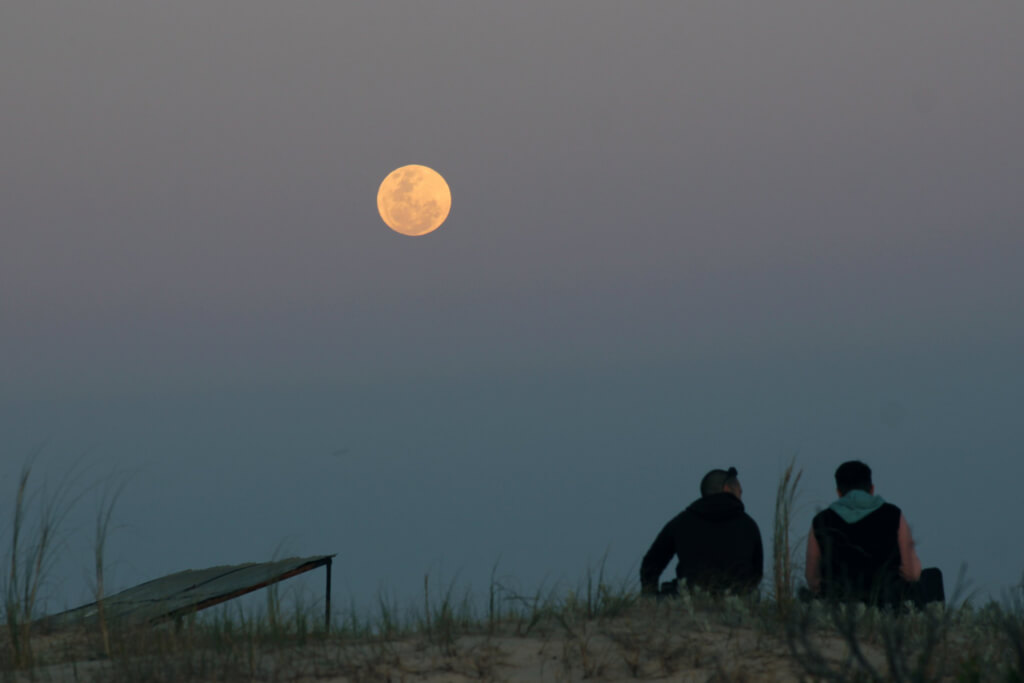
(910, 563)
(812, 565)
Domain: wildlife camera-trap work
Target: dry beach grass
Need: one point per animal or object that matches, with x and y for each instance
(596, 630)
(616, 637)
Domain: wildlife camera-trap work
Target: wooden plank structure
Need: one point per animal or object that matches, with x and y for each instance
(192, 590)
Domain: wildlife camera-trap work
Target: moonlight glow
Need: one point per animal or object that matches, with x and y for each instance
(414, 200)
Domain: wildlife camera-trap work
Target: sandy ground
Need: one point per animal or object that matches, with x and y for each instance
(635, 646)
(736, 656)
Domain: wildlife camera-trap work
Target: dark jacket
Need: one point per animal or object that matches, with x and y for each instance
(860, 561)
(718, 545)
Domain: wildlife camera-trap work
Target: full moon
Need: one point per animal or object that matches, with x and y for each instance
(414, 200)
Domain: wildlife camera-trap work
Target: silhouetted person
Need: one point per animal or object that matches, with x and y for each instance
(860, 548)
(716, 541)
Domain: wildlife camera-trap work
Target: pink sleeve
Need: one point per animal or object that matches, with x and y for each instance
(812, 565)
(910, 564)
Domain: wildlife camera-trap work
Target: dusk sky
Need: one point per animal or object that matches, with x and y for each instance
(683, 235)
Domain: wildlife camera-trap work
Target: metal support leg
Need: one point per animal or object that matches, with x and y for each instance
(327, 601)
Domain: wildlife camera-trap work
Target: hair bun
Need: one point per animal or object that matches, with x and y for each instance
(731, 472)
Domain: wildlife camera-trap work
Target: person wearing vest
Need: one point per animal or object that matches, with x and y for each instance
(861, 548)
(718, 544)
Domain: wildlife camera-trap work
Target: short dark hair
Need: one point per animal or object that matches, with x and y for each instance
(852, 475)
(716, 480)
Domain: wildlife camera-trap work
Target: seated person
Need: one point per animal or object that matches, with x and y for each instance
(860, 548)
(716, 541)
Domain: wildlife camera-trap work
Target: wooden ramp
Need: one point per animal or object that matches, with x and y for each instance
(190, 591)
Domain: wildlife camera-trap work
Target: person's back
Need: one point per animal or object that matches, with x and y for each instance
(717, 543)
(859, 542)
(861, 548)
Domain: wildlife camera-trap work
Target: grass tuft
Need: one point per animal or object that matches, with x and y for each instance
(783, 566)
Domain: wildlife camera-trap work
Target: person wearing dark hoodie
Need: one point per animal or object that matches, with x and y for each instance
(861, 548)
(717, 543)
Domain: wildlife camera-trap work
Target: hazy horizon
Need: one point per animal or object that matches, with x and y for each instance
(682, 237)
